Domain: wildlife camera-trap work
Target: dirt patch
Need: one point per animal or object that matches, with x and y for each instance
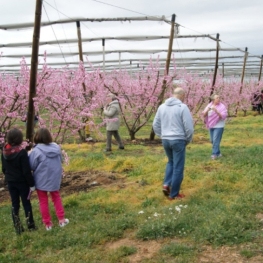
(145, 249)
(84, 181)
(75, 182)
(207, 254)
(225, 255)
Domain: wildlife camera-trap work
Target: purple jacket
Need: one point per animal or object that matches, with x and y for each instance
(211, 121)
(46, 164)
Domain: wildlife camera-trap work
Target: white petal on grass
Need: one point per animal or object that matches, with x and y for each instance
(178, 209)
(156, 214)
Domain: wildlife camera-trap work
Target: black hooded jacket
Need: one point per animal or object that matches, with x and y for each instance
(16, 167)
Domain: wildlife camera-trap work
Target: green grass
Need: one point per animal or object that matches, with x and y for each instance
(221, 209)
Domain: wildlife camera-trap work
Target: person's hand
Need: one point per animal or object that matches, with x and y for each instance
(32, 189)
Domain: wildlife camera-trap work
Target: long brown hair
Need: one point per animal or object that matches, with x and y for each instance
(43, 136)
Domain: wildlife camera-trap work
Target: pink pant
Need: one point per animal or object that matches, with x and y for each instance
(44, 208)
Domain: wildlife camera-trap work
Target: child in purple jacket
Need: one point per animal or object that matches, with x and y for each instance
(46, 164)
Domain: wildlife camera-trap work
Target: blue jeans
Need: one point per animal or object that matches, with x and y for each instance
(174, 173)
(215, 138)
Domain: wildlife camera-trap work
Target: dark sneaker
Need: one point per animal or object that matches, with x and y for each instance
(121, 147)
(179, 196)
(18, 227)
(166, 190)
(31, 227)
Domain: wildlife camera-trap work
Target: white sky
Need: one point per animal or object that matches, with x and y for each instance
(239, 23)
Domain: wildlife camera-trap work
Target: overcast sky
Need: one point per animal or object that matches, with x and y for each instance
(239, 23)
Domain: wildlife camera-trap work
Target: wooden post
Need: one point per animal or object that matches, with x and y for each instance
(260, 70)
(130, 67)
(119, 60)
(103, 49)
(243, 71)
(80, 51)
(170, 47)
(79, 41)
(216, 64)
(168, 59)
(33, 72)
(242, 78)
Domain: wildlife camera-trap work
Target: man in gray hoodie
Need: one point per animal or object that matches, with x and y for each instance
(173, 123)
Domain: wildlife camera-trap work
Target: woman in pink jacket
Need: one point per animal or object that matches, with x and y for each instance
(215, 115)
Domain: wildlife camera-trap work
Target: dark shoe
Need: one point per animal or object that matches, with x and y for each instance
(18, 227)
(32, 227)
(107, 150)
(179, 196)
(166, 190)
(17, 223)
(121, 147)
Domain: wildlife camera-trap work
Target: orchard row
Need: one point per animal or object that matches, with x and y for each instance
(67, 100)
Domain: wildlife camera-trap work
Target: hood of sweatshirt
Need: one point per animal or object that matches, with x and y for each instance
(172, 101)
(51, 150)
(114, 102)
(10, 152)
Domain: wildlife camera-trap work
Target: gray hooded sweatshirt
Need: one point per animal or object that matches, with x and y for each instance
(46, 164)
(173, 121)
(112, 112)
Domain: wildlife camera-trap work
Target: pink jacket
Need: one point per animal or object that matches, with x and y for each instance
(213, 119)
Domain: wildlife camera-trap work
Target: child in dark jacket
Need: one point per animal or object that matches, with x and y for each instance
(19, 179)
(46, 164)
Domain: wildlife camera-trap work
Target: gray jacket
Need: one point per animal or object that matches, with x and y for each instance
(173, 121)
(112, 112)
(46, 164)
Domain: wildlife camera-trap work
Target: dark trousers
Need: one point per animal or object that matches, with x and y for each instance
(17, 191)
(109, 138)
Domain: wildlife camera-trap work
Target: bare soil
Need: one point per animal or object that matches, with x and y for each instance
(74, 182)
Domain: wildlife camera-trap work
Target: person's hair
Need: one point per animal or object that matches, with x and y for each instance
(213, 96)
(14, 137)
(112, 96)
(43, 136)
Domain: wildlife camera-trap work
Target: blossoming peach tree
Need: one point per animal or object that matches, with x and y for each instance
(69, 99)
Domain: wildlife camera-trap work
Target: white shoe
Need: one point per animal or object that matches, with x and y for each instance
(64, 223)
(48, 228)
